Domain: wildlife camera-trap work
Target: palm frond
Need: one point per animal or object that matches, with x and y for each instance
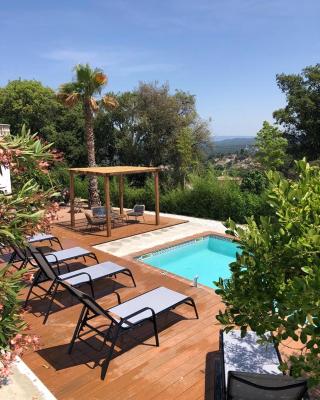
(72, 99)
(90, 81)
(94, 104)
(68, 94)
(110, 102)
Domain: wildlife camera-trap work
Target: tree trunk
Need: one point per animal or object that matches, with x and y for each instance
(94, 198)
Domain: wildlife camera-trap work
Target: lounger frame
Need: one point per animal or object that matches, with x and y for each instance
(54, 239)
(58, 262)
(90, 306)
(47, 273)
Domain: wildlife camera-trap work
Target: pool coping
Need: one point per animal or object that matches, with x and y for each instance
(133, 257)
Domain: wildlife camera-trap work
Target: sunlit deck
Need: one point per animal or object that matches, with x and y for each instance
(181, 368)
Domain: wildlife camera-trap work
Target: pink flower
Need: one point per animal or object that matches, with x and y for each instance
(5, 372)
(35, 339)
(28, 276)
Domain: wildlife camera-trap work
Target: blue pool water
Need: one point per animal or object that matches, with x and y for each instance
(207, 258)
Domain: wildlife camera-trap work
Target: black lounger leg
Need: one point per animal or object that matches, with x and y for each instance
(106, 362)
(23, 264)
(91, 288)
(95, 257)
(107, 335)
(12, 257)
(57, 241)
(34, 282)
(195, 308)
(134, 282)
(154, 321)
(78, 328)
(28, 295)
(53, 295)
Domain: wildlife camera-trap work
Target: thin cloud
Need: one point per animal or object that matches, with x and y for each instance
(70, 55)
(160, 67)
(122, 63)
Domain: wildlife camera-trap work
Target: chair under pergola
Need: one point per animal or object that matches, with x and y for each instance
(107, 172)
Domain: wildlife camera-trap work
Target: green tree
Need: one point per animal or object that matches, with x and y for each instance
(116, 135)
(69, 136)
(28, 102)
(254, 181)
(87, 84)
(300, 118)
(148, 123)
(275, 282)
(185, 155)
(271, 147)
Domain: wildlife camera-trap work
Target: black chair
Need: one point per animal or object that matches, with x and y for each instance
(249, 386)
(251, 371)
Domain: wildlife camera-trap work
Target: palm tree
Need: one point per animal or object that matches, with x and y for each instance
(87, 84)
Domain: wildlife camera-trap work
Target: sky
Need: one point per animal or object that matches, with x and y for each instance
(225, 52)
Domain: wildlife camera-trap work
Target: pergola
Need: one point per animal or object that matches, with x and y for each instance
(119, 171)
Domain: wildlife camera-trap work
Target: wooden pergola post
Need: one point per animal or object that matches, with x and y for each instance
(72, 198)
(157, 199)
(121, 193)
(107, 203)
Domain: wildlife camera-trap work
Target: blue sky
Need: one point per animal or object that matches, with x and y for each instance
(226, 52)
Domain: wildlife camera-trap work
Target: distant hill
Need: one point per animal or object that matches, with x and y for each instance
(231, 145)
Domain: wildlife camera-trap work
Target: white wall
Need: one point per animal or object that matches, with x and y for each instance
(5, 180)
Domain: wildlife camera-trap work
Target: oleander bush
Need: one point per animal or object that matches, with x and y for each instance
(27, 210)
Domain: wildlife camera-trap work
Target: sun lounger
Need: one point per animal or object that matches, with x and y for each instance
(16, 256)
(250, 371)
(42, 237)
(127, 315)
(61, 256)
(57, 258)
(79, 277)
(20, 256)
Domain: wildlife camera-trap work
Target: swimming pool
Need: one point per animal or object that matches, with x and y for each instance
(207, 257)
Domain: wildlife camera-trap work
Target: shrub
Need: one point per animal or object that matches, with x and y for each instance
(254, 182)
(275, 282)
(204, 197)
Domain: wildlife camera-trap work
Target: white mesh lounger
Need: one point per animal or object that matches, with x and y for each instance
(126, 316)
(19, 255)
(43, 237)
(59, 257)
(81, 276)
(250, 371)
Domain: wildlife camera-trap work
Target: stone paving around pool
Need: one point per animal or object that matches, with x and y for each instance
(134, 244)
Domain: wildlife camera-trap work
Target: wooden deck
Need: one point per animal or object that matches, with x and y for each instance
(181, 368)
(96, 236)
